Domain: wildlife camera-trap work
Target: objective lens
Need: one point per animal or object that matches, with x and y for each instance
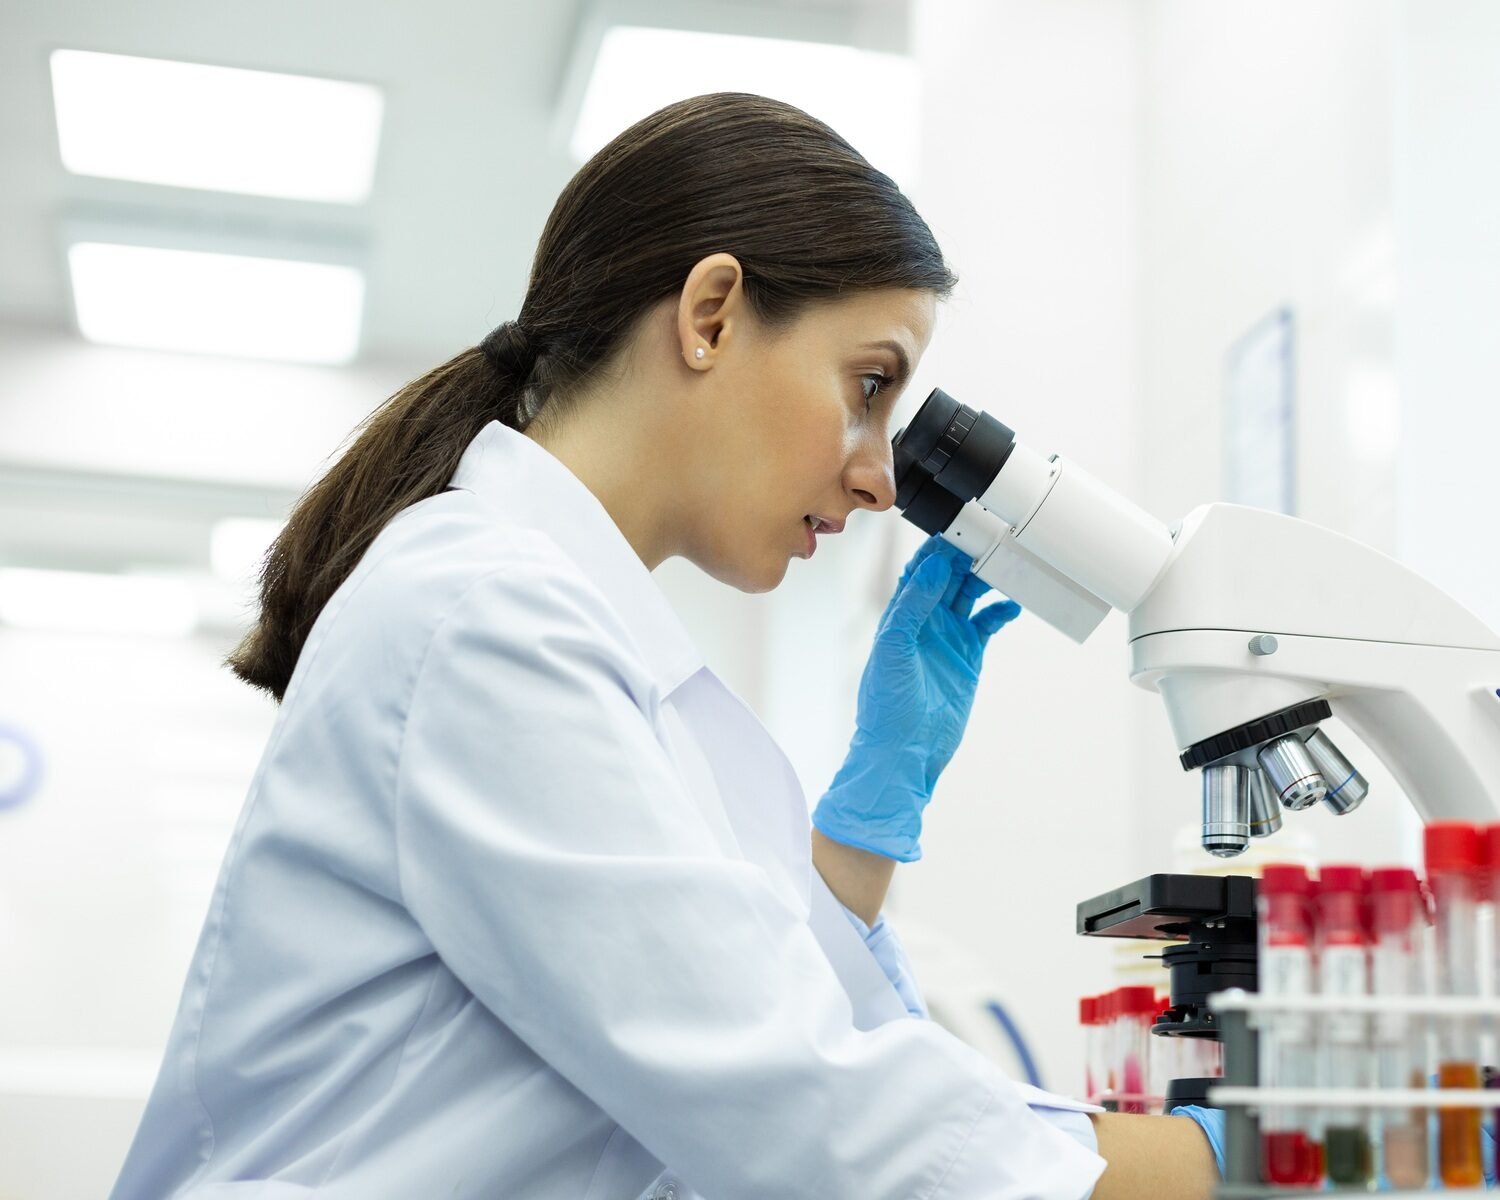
(1226, 810)
(1290, 772)
(1265, 812)
(1347, 788)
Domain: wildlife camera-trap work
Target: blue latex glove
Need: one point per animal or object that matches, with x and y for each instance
(1487, 1150)
(1211, 1121)
(914, 701)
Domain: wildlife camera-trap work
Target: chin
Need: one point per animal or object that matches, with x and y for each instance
(752, 578)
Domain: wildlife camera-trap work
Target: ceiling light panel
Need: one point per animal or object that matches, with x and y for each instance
(869, 98)
(79, 602)
(227, 304)
(218, 128)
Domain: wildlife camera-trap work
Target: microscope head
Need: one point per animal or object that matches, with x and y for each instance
(1253, 627)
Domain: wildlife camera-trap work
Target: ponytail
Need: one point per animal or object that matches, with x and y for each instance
(406, 451)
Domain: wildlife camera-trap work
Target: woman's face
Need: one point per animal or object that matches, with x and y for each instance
(801, 427)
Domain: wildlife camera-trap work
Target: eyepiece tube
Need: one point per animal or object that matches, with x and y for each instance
(1055, 512)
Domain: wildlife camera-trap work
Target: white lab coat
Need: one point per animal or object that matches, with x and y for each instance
(521, 904)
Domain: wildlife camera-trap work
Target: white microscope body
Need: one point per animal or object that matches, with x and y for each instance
(1411, 671)
(1252, 626)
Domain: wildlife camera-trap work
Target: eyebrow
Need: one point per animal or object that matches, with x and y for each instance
(903, 368)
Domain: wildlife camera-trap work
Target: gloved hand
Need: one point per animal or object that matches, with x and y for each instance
(914, 701)
(1487, 1147)
(1211, 1121)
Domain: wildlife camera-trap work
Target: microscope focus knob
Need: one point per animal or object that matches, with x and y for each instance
(1263, 644)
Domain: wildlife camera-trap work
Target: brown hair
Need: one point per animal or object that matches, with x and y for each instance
(806, 216)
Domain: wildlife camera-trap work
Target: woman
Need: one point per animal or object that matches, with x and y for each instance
(523, 901)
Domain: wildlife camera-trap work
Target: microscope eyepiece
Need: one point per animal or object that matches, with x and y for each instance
(949, 443)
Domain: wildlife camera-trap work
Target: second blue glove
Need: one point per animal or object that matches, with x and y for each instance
(914, 700)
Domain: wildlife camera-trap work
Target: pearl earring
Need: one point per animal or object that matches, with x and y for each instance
(698, 353)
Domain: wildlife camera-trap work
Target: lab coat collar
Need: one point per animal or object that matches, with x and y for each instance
(532, 488)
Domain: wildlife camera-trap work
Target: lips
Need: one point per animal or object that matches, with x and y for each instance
(815, 525)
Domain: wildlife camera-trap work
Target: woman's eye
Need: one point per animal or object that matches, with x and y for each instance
(880, 382)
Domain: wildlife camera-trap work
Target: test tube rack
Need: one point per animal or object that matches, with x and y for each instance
(1240, 1014)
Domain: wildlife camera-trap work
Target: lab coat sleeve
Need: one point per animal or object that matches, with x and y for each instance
(887, 950)
(548, 849)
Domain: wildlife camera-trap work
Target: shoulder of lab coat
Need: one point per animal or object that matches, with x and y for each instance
(549, 850)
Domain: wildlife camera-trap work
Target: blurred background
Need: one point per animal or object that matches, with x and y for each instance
(1210, 249)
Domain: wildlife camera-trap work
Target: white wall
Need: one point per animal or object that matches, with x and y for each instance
(105, 876)
(1448, 360)
(1267, 181)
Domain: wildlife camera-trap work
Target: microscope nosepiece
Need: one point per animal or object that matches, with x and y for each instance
(1291, 773)
(1226, 810)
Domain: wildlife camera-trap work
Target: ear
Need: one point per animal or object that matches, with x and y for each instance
(710, 309)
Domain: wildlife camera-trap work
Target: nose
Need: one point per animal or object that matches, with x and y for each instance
(870, 476)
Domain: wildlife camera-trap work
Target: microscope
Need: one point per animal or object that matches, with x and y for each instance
(1254, 628)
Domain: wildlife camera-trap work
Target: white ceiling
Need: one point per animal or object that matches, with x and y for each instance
(465, 175)
(469, 166)
(111, 459)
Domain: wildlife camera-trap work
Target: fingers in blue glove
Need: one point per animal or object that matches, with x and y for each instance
(961, 563)
(933, 545)
(971, 589)
(921, 594)
(994, 617)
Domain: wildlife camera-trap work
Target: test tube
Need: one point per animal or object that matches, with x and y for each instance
(1398, 915)
(1452, 853)
(1289, 1151)
(1344, 970)
(1137, 1009)
(1492, 865)
(1210, 1059)
(1088, 1008)
(1166, 1056)
(1107, 1013)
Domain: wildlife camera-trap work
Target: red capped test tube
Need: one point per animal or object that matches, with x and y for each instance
(1106, 1007)
(1289, 1151)
(1344, 970)
(1088, 1009)
(1454, 858)
(1166, 1055)
(1137, 1012)
(1398, 916)
(1492, 873)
